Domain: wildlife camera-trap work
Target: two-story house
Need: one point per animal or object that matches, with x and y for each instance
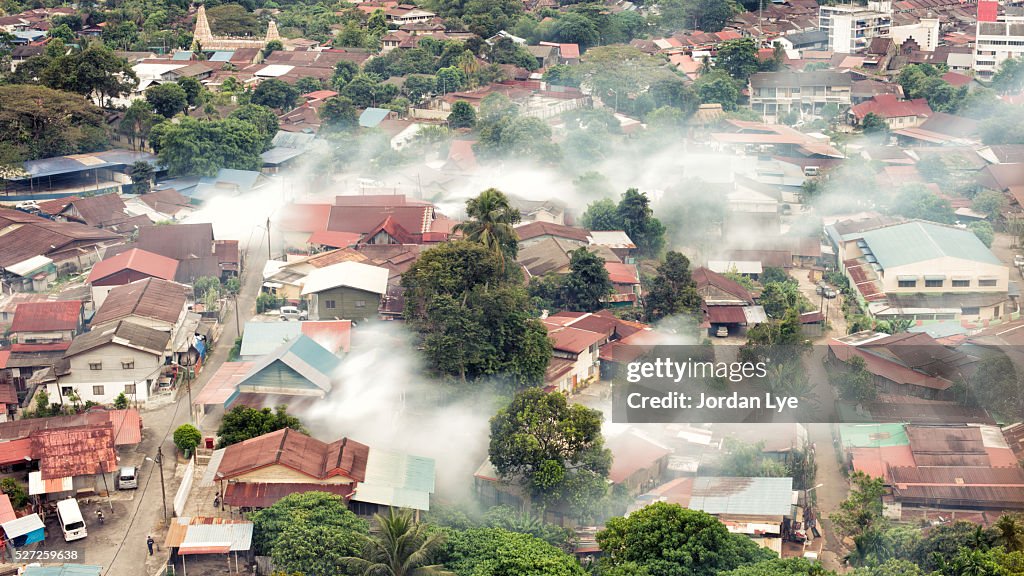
(775, 94)
(896, 113)
(345, 291)
(121, 356)
(576, 357)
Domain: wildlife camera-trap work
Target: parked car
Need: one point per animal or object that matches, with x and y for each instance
(829, 293)
(27, 205)
(128, 479)
(292, 313)
(69, 517)
(722, 332)
(1018, 260)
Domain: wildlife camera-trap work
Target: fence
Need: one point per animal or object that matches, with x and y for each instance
(186, 485)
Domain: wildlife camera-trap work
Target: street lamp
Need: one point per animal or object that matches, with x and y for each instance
(163, 491)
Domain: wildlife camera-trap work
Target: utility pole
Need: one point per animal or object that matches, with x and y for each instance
(238, 330)
(268, 239)
(163, 489)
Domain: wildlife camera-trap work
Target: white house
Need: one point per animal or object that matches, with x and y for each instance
(120, 357)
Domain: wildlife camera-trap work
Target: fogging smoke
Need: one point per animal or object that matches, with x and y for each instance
(382, 398)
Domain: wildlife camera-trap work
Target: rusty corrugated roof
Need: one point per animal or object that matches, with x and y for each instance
(299, 452)
(79, 451)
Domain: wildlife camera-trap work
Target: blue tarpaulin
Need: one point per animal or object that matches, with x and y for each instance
(25, 530)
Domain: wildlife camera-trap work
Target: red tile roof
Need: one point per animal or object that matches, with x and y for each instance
(299, 452)
(57, 205)
(138, 260)
(319, 94)
(47, 316)
(5, 355)
(889, 106)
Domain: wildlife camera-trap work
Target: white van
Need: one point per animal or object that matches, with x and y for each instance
(71, 521)
(128, 479)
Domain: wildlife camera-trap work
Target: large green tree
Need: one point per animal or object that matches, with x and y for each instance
(637, 218)
(553, 449)
(587, 284)
(274, 93)
(474, 323)
(310, 533)
(203, 147)
(38, 122)
(242, 423)
(338, 113)
(167, 100)
(673, 290)
(262, 117)
(494, 551)
(668, 540)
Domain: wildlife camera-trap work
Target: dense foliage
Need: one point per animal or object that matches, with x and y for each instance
(242, 423)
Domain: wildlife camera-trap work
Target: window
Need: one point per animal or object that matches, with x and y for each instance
(933, 283)
(907, 283)
(95, 365)
(97, 390)
(129, 388)
(987, 282)
(995, 312)
(360, 303)
(127, 364)
(66, 390)
(970, 311)
(961, 283)
(329, 304)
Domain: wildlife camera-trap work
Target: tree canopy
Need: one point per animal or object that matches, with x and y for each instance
(552, 448)
(473, 321)
(203, 147)
(242, 423)
(39, 122)
(492, 551)
(673, 290)
(669, 540)
(312, 533)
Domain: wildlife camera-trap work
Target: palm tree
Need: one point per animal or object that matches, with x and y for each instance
(491, 218)
(1010, 533)
(402, 548)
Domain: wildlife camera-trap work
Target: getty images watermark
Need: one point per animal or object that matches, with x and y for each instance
(721, 383)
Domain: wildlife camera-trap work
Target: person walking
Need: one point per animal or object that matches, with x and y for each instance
(149, 544)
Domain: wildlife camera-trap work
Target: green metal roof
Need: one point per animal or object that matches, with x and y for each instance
(261, 338)
(302, 355)
(396, 479)
(873, 435)
(920, 241)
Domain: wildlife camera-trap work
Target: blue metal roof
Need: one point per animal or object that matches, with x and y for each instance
(65, 570)
(223, 56)
(920, 241)
(371, 117)
(28, 35)
(81, 162)
(280, 155)
(261, 338)
(182, 55)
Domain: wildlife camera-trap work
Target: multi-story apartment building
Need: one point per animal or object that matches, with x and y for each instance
(851, 27)
(774, 94)
(999, 38)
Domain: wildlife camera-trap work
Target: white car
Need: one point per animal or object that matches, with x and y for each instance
(292, 313)
(722, 331)
(27, 205)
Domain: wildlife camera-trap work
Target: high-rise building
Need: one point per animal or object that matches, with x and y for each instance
(851, 27)
(999, 37)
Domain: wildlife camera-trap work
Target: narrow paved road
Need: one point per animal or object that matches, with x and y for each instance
(127, 556)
